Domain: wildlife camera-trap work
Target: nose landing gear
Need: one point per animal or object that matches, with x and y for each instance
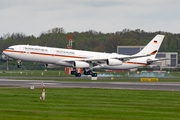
(19, 64)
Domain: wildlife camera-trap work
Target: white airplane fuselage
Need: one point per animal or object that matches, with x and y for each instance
(85, 59)
(56, 56)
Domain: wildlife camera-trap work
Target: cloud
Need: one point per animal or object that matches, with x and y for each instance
(34, 17)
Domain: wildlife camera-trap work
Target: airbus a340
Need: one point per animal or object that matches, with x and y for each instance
(88, 60)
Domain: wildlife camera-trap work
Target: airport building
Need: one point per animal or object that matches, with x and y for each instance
(172, 57)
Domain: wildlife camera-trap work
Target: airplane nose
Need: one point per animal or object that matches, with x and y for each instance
(3, 53)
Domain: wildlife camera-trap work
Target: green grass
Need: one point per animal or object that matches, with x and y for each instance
(58, 73)
(32, 73)
(88, 104)
(59, 76)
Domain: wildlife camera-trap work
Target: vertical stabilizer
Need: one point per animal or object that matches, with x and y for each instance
(152, 47)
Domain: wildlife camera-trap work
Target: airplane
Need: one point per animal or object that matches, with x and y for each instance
(88, 60)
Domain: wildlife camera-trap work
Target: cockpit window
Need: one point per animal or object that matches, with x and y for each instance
(10, 48)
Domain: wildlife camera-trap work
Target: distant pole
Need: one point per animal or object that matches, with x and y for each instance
(43, 92)
(7, 64)
(69, 46)
(160, 63)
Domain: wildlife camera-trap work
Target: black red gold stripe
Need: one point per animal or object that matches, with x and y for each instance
(137, 63)
(44, 54)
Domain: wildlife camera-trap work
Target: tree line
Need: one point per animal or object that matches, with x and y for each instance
(93, 40)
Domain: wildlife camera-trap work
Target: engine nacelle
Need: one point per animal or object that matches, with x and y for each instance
(51, 66)
(113, 62)
(64, 63)
(149, 61)
(81, 64)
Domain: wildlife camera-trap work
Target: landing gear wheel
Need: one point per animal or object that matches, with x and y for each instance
(78, 74)
(73, 72)
(94, 75)
(89, 72)
(19, 66)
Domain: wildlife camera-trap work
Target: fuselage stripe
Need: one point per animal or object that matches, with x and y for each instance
(43, 54)
(56, 55)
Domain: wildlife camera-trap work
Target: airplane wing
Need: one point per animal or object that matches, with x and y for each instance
(120, 58)
(105, 58)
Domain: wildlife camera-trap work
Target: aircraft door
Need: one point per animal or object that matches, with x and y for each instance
(52, 52)
(22, 54)
(22, 50)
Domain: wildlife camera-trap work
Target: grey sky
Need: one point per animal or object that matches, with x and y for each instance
(33, 17)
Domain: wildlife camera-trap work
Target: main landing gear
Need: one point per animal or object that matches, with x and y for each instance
(90, 72)
(86, 72)
(74, 72)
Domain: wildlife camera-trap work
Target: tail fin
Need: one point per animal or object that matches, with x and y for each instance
(152, 47)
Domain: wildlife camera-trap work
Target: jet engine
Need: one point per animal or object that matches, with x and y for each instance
(51, 66)
(64, 63)
(113, 62)
(81, 64)
(149, 61)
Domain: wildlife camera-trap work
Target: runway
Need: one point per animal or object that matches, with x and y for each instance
(168, 86)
